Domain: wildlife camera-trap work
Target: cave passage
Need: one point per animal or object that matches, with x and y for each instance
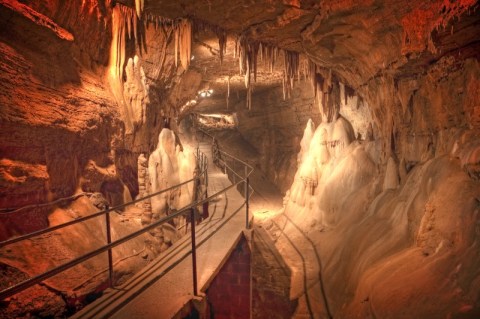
(239, 159)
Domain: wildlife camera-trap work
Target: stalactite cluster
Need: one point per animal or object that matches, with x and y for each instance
(129, 20)
(247, 52)
(269, 54)
(157, 21)
(202, 26)
(135, 21)
(135, 27)
(291, 69)
(322, 85)
(250, 52)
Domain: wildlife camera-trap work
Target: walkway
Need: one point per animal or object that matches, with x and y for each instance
(301, 255)
(158, 292)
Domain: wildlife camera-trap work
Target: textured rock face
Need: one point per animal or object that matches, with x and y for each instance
(388, 191)
(167, 167)
(62, 132)
(55, 115)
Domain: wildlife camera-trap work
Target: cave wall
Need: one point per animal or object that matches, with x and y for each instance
(273, 127)
(411, 71)
(394, 216)
(63, 132)
(46, 98)
(55, 89)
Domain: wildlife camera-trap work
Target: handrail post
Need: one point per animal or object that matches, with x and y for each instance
(233, 170)
(247, 195)
(194, 253)
(109, 240)
(206, 173)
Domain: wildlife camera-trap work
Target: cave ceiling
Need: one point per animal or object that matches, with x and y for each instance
(357, 40)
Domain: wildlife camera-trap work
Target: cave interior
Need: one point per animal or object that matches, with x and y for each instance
(361, 120)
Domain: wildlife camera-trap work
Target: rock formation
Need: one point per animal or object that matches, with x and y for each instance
(167, 167)
(384, 182)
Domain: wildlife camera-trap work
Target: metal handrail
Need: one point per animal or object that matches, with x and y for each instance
(201, 158)
(52, 272)
(245, 164)
(8, 292)
(248, 190)
(223, 152)
(103, 212)
(8, 211)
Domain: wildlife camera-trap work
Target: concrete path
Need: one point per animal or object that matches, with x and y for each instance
(164, 287)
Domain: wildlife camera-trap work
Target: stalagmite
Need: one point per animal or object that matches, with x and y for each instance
(391, 180)
(168, 166)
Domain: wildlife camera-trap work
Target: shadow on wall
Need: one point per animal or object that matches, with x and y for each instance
(53, 63)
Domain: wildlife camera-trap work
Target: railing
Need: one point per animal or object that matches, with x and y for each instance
(202, 162)
(219, 156)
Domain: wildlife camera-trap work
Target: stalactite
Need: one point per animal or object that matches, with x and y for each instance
(117, 60)
(117, 53)
(183, 42)
(291, 69)
(248, 51)
(222, 42)
(139, 5)
(176, 35)
(247, 75)
(249, 97)
(228, 90)
(202, 26)
(129, 27)
(304, 67)
(135, 29)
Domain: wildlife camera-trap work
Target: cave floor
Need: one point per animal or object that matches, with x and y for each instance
(159, 292)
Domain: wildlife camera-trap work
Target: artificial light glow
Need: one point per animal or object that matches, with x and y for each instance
(188, 104)
(191, 102)
(192, 58)
(205, 93)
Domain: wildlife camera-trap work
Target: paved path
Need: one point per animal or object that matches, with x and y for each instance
(165, 286)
